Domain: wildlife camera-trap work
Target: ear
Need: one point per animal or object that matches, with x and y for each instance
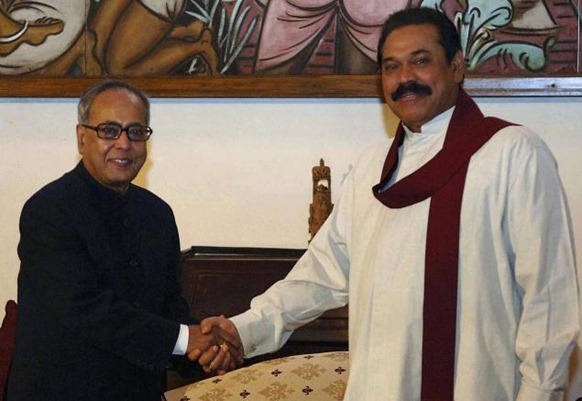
(458, 65)
(80, 138)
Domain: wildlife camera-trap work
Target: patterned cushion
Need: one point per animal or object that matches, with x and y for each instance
(320, 376)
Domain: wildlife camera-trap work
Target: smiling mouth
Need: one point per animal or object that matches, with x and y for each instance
(122, 162)
(410, 96)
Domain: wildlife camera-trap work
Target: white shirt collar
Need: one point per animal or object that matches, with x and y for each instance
(437, 125)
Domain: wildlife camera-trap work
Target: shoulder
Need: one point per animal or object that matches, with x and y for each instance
(519, 135)
(519, 142)
(516, 153)
(56, 193)
(54, 208)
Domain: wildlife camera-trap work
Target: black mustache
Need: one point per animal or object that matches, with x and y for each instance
(410, 87)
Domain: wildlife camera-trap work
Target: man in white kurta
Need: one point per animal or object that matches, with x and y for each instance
(515, 240)
(517, 298)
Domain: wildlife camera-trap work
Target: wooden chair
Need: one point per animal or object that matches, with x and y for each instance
(7, 334)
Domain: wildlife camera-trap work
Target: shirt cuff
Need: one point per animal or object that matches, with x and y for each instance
(249, 331)
(182, 343)
(528, 393)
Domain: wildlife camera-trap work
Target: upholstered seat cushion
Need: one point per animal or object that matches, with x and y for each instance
(320, 376)
(7, 333)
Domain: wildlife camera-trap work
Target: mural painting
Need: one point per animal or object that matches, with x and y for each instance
(279, 37)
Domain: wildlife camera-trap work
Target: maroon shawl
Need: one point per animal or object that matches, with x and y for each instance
(442, 179)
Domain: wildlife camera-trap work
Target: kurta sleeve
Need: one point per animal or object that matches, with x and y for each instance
(317, 283)
(540, 236)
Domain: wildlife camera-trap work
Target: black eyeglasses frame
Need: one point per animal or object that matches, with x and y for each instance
(98, 128)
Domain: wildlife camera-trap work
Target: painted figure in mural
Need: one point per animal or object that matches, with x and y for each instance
(338, 36)
(142, 37)
(14, 33)
(126, 37)
(292, 30)
(60, 21)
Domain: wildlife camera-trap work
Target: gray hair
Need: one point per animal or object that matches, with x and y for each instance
(86, 99)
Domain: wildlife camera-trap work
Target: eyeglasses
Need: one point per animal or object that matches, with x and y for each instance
(112, 131)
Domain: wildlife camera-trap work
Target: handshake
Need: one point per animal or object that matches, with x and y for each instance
(216, 345)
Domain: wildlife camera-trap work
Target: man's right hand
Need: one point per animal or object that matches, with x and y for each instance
(209, 349)
(228, 334)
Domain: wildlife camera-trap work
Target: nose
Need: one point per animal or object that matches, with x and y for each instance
(123, 140)
(406, 73)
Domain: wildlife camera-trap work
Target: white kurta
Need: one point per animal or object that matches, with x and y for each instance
(518, 298)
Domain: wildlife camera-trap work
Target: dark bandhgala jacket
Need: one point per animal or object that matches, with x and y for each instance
(98, 293)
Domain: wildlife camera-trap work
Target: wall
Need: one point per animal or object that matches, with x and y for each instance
(238, 172)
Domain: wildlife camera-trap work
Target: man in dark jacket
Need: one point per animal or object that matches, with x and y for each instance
(100, 310)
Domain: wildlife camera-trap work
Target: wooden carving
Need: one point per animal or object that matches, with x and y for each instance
(321, 207)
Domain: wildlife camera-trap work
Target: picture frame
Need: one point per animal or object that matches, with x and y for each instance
(292, 86)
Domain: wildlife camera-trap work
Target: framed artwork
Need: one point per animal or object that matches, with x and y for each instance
(274, 48)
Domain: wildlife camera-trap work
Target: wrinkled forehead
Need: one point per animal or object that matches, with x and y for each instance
(116, 105)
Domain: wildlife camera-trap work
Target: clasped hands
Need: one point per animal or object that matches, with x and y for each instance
(216, 345)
